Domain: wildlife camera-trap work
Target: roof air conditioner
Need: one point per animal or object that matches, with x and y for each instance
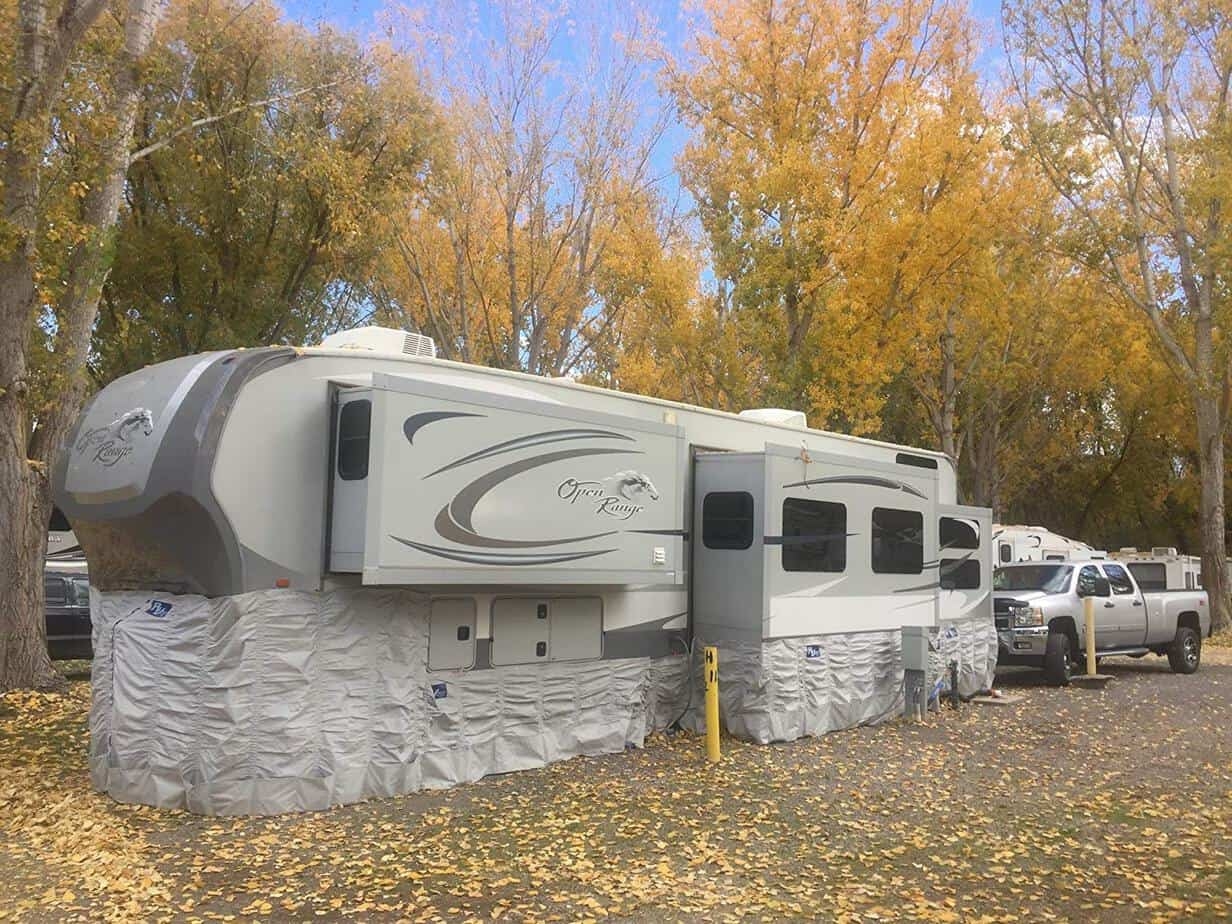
(381, 340)
(1160, 551)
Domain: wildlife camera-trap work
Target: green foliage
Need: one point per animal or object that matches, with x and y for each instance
(256, 226)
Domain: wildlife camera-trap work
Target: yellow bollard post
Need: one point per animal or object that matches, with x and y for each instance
(1088, 617)
(712, 703)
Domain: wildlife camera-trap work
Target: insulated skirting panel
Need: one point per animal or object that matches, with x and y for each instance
(783, 689)
(283, 700)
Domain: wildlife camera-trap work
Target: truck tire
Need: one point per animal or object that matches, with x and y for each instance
(1056, 660)
(1185, 652)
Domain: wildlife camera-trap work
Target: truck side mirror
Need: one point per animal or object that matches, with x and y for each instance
(1101, 588)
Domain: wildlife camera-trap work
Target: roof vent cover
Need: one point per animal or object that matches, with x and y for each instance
(381, 340)
(776, 415)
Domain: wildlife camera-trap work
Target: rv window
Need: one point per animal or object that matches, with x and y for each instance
(727, 520)
(961, 574)
(1189, 578)
(354, 428)
(958, 534)
(1118, 579)
(898, 541)
(1150, 575)
(1005, 554)
(814, 535)
(59, 522)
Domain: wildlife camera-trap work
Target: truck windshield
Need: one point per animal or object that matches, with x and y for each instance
(1048, 578)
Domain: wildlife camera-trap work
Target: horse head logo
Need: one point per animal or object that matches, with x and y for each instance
(114, 437)
(633, 485)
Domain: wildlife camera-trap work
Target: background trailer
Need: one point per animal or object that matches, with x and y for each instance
(331, 573)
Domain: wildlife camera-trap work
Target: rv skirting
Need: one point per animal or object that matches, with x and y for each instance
(282, 701)
(789, 688)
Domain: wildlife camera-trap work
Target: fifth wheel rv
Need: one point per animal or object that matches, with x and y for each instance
(328, 573)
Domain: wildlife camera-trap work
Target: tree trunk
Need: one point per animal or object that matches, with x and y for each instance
(1211, 512)
(25, 459)
(24, 505)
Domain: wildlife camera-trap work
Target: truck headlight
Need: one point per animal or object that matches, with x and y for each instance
(1028, 616)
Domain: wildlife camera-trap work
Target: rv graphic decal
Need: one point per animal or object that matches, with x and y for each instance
(870, 480)
(531, 440)
(113, 442)
(629, 485)
(454, 522)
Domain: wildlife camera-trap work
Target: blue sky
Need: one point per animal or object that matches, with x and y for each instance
(365, 17)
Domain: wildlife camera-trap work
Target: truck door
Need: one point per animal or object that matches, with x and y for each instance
(1127, 609)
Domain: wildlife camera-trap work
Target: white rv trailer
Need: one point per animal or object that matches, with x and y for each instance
(334, 572)
(1162, 568)
(1038, 543)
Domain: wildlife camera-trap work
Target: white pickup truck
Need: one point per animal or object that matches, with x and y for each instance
(1038, 607)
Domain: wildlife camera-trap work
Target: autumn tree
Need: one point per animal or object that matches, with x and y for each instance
(1128, 114)
(803, 114)
(259, 224)
(504, 257)
(46, 44)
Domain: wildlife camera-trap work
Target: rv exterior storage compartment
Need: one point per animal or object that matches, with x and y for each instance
(435, 484)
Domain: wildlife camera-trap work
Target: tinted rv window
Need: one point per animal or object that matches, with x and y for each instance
(898, 541)
(59, 522)
(958, 534)
(1005, 554)
(961, 575)
(727, 520)
(814, 535)
(1150, 575)
(354, 428)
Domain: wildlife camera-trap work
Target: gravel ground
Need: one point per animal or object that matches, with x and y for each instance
(1070, 805)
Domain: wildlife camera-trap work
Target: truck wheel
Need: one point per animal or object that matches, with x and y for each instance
(1056, 660)
(1185, 652)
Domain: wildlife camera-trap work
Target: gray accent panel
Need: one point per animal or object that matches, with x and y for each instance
(283, 701)
(173, 535)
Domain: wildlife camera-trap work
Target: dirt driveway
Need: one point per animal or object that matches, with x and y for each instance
(1072, 805)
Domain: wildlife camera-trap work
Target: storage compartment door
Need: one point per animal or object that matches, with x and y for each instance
(520, 631)
(964, 561)
(469, 487)
(576, 630)
(451, 634)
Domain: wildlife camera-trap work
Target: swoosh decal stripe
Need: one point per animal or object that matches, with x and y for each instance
(454, 521)
(868, 480)
(531, 439)
(417, 422)
(497, 558)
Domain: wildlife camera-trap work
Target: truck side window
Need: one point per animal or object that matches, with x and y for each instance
(898, 541)
(727, 520)
(1086, 581)
(1118, 579)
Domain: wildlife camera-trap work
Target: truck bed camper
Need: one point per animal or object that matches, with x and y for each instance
(329, 573)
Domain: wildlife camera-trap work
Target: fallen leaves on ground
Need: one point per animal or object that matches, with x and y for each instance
(1073, 805)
